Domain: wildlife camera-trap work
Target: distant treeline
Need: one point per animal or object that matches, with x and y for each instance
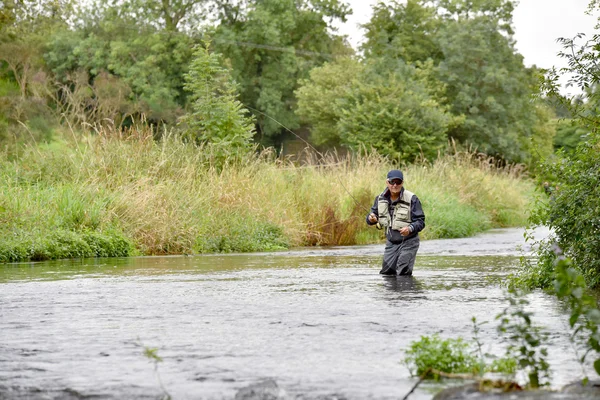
(237, 72)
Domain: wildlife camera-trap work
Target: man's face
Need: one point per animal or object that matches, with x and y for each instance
(394, 185)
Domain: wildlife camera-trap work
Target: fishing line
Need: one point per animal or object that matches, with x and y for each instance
(315, 150)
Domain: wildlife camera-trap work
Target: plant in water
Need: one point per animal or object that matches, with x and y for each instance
(569, 284)
(152, 355)
(431, 355)
(525, 341)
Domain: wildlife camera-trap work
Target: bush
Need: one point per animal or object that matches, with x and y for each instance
(61, 244)
(573, 213)
(432, 352)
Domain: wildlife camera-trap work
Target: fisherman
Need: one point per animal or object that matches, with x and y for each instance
(400, 213)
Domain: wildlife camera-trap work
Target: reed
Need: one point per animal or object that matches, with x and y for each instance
(141, 195)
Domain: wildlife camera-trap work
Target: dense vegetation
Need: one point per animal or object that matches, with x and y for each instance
(116, 193)
(430, 71)
(572, 175)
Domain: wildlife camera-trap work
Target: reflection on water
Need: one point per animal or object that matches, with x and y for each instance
(404, 287)
(320, 322)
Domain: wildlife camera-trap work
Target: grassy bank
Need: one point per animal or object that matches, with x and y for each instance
(115, 195)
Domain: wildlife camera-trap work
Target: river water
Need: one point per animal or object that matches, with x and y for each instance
(320, 322)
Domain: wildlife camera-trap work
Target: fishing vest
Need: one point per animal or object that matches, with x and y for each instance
(401, 217)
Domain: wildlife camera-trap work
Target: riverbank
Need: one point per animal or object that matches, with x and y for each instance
(113, 195)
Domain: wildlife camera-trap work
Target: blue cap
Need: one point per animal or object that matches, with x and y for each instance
(395, 174)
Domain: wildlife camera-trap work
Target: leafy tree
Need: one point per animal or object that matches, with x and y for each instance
(24, 27)
(471, 46)
(487, 83)
(270, 45)
(573, 210)
(320, 98)
(164, 15)
(389, 109)
(403, 31)
(216, 116)
(569, 134)
(148, 62)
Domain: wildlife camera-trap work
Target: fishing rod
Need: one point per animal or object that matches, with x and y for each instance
(314, 149)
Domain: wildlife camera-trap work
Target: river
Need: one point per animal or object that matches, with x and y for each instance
(320, 322)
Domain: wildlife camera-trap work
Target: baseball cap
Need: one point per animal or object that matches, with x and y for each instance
(395, 174)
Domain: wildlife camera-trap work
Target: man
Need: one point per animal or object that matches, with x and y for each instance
(400, 213)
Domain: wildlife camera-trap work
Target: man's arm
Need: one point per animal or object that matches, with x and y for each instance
(417, 215)
(374, 211)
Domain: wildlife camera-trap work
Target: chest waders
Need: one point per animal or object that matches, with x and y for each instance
(401, 216)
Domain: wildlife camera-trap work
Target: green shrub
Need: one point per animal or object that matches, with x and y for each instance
(573, 213)
(61, 244)
(444, 355)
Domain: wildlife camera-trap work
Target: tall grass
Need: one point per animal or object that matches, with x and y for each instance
(116, 194)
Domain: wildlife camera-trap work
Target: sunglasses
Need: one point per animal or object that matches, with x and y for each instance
(395, 182)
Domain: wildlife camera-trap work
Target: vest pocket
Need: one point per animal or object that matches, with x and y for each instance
(400, 219)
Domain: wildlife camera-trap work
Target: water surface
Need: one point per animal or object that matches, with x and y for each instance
(321, 322)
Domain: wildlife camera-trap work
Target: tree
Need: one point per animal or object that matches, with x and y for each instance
(403, 31)
(164, 15)
(270, 45)
(573, 212)
(474, 58)
(388, 109)
(24, 27)
(149, 61)
(216, 116)
(488, 84)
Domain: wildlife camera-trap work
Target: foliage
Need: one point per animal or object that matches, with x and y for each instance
(146, 64)
(246, 235)
(470, 45)
(403, 31)
(372, 107)
(216, 116)
(59, 244)
(445, 355)
(151, 353)
(569, 134)
(585, 315)
(167, 15)
(526, 341)
(431, 355)
(270, 45)
(572, 212)
(319, 98)
(503, 365)
(124, 192)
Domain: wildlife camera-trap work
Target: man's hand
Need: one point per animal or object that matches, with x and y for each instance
(405, 231)
(372, 218)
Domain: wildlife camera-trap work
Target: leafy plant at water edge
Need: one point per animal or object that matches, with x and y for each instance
(569, 284)
(525, 341)
(444, 355)
(431, 355)
(60, 244)
(503, 365)
(243, 236)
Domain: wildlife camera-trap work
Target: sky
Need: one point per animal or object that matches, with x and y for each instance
(537, 25)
